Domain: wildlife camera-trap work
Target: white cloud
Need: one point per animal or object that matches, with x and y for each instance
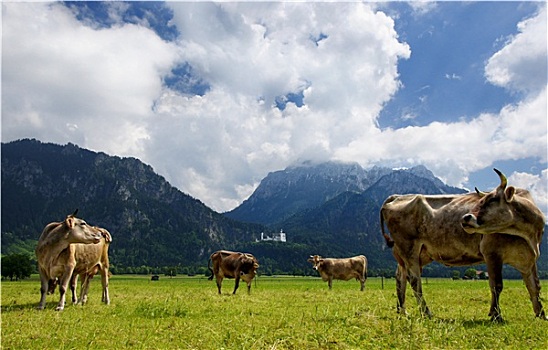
(63, 81)
(102, 89)
(456, 149)
(421, 7)
(252, 53)
(536, 184)
(521, 64)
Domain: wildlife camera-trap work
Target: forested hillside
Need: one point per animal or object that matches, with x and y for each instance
(327, 209)
(152, 223)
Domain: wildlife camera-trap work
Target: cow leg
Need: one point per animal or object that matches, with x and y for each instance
(494, 269)
(73, 286)
(416, 283)
(237, 283)
(401, 285)
(85, 288)
(330, 282)
(44, 287)
(533, 287)
(362, 284)
(63, 285)
(219, 281)
(104, 282)
(249, 287)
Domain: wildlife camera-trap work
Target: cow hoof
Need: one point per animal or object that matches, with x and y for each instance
(497, 319)
(59, 308)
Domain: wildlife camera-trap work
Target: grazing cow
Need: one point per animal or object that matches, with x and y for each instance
(233, 265)
(55, 256)
(341, 269)
(501, 227)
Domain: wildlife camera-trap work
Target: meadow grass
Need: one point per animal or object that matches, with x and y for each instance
(280, 313)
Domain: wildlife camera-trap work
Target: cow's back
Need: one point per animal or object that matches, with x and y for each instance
(429, 223)
(343, 269)
(89, 255)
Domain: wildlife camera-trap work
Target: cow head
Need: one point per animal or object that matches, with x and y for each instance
(504, 210)
(106, 235)
(316, 261)
(248, 264)
(78, 231)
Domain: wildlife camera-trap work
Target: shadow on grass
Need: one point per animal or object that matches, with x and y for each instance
(470, 324)
(29, 306)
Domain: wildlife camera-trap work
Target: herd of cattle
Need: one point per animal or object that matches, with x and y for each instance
(503, 226)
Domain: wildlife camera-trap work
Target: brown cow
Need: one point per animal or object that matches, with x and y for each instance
(55, 255)
(90, 259)
(233, 265)
(341, 269)
(428, 228)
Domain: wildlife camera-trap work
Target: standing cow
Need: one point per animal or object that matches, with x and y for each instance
(501, 227)
(341, 269)
(233, 265)
(55, 253)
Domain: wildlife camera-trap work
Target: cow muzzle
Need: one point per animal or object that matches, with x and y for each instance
(469, 223)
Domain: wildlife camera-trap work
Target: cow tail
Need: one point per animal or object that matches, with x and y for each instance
(387, 238)
(210, 269)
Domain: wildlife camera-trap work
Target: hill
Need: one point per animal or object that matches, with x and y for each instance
(329, 209)
(284, 193)
(152, 223)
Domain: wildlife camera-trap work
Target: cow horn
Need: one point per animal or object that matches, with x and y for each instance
(75, 212)
(480, 193)
(503, 179)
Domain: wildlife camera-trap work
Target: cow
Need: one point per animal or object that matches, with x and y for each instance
(54, 253)
(233, 265)
(90, 259)
(503, 226)
(340, 269)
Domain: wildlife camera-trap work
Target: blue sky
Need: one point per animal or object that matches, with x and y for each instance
(216, 95)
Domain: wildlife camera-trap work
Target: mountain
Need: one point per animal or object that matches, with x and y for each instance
(349, 223)
(284, 193)
(287, 192)
(152, 223)
(334, 211)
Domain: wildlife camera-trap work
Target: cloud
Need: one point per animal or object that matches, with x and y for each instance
(249, 55)
(104, 88)
(537, 184)
(452, 76)
(422, 7)
(452, 150)
(64, 81)
(521, 64)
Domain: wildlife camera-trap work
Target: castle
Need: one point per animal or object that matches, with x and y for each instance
(277, 237)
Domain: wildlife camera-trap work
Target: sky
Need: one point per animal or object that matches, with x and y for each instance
(214, 96)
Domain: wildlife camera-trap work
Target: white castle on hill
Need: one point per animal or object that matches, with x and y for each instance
(277, 237)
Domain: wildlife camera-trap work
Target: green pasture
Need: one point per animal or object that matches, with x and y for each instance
(280, 313)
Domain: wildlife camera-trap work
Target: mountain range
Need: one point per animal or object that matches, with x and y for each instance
(330, 209)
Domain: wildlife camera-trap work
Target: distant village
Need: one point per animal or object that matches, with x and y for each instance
(276, 237)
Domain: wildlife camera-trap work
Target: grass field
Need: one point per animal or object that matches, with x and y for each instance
(280, 313)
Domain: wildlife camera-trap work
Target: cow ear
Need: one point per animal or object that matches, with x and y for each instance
(106, 234)
(69, 221)
(509, 193)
